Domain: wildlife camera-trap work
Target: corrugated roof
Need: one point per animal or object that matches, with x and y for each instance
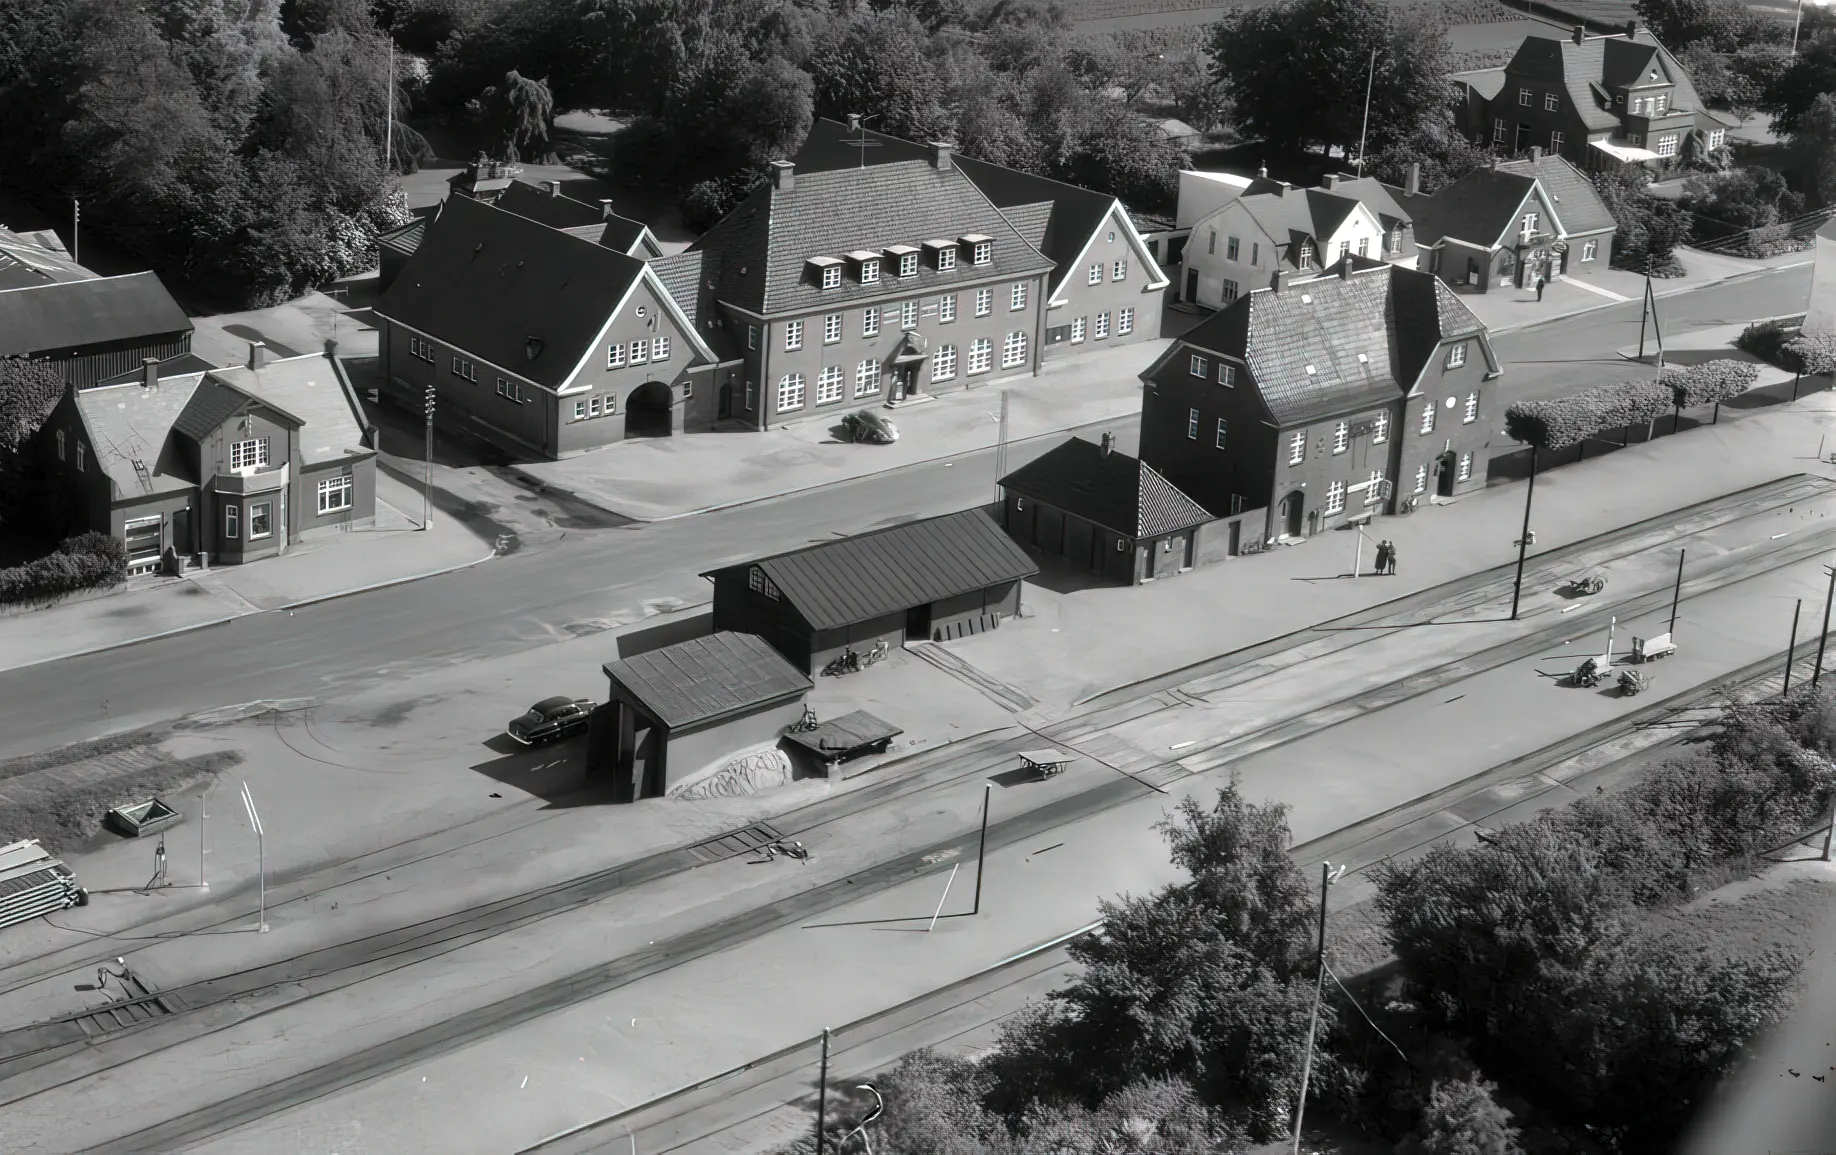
(306, 387)
(1577, 205)
(127, 423)
(73, 314)
(488, 281)
(706, 679)
(1115, 491)
(1032, 221)
(36, 258)
(891, 570)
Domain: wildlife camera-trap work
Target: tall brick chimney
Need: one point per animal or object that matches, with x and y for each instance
(1536, 153)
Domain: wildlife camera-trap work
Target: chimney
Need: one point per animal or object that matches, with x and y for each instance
(1413, 186)
(554, 187)
(1631, 29)
(940, 154)
(1109, 443)
(605, 208)
(1536, 153)
(1263, 171)
(1580, 33)
(783, 175)
(258, 354)
(1330, 180)
(1278, 280)
(1345, 267)
(149, 372)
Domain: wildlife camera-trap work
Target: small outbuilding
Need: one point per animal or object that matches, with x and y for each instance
(933, 580)
(673, 711)
(1105, 511)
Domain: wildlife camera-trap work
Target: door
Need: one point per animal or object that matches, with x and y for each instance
(918, 622)
(1523, 137)
(1236, 537)
(1291, 510)
(1444, 474)
(1185, 549)
(1191, 284)
(726, 401)
(181, 532)
(1150, 566)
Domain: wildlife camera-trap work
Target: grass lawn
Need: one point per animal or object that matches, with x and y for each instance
(61, 797)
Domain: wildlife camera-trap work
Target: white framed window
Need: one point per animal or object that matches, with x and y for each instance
(981, 355)
(1230, 249)
(1717, 137)
(1551, 102)
(1013, 350)
(1335, 497)
(1556, 140)
(580, 409)
(752, 336)
(1102, 326)
(760, 584)
(1428, 417)
(1119, 270)
(232, 521)
(790, 392)
(1527, 227)
(831, 328)
(908, 264)
(1498, 132)
(79, 456)
(1096, 271)
(870, 271)
(250, 454)
(60, 445)
(1590, 250)
(640, 351)
(1396, 238)
(1306, 255)
(421, 349)
(261, 520)
(1223, 429)
(1456, 355)
(867, 378)
(870, 322)
(1666, 145)
(1227, 374)
(1421, 478)
(659, 348)
(1523, 97)
(1192, 424)
(465, 369)
(1125, 322)
(1016, 297)
(908, 315)
(982, 253)
(946, 259)
(831, 276)
(1472, 409)
(336, 494)
(752, 395)
(1380, 429)
(946, 308)
(1341, 438)
(1198, 366)
(1373, 488)
(1364, 246)
(1297, 448)
(1211, 249)
(1466, 467)
(984, 302)
(511, 391)
(1228, 291)
(943, 363)
(1662, 101)
(829, 384)
(793, 334)
(615, 355)
(1077, 330)
(1344, 248)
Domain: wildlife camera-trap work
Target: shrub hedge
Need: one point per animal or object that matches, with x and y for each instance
(84, 562)
(1558, 422)
(1709, 383)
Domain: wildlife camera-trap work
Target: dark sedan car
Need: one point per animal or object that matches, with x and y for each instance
(868, 426)
(551, 720)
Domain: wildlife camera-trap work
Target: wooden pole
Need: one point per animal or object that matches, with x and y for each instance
(945, 897)
(1792, 646)
(1313, 1020)
(1676, 595)
(822, 1094)
(1823, 640)
(1523, 540)
(981, 850)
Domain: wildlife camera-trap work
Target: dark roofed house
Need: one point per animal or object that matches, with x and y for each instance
(935, 579)
(596, 223)
(1333, 396)
(93, 327)
(1105, 511)
(682, 709)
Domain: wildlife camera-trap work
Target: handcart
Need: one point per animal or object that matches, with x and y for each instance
(1045, 763)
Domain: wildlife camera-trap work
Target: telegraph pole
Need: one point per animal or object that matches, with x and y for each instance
(822, 1094)
(1817, 670)
(389, 122)
(1523, 540)
(981, 850)
(76, 230)
(1676, 594)
(1319, 986)
(1791, 647)
(427, 467)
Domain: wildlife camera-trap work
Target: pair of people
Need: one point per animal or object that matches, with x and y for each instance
(1386, 557)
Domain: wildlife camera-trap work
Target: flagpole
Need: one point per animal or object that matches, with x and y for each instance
(1364, 132)
(389, 123)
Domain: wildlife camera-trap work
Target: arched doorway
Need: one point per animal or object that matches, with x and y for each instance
(647, 410)
(1444, 474)
(1292, 507)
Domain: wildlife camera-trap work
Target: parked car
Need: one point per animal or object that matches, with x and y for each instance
(551, 720)
(866, 425)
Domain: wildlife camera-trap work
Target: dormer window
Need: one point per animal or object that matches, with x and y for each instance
(826, 272)
(866, 266)
(981, 248)
(1306, 254)
(903, 260)
(941, 254)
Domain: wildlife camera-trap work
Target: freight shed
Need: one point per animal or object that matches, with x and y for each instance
(932, 580)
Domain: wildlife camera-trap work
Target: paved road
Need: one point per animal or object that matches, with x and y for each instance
(530, 599)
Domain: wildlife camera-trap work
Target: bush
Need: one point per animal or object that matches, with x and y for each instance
(1812, 354)
(1461, 1117)
(1558, 422)
(707, 201)
(1709, 383)
(87, 561)
(1769, 341)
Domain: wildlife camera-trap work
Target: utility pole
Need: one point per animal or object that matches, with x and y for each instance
(1791, 647)
(1817, 670)
(822, 1094)
(1676, 594)
(1523, 540)
(1364, 132)
(261, 850)
(203, 827)
(1650, 311)
(389, 122)
(427, 467)
(76, 230)
(981, 850)
(1327, 874)
(1001, 448)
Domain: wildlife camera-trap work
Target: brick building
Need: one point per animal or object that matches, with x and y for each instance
(1537, 217)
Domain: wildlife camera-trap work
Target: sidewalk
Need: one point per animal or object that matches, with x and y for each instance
(657, 479)
(393, 551)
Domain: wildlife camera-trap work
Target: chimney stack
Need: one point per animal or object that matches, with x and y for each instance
(1109, 443)
(1345, 267)
(258, 355)
(1580, 33)
(1330, 180)
(1263, 170)
(1631, 29)
(554, 187)
(940, 154)
(1536, 153)
(783, 175)
(1278, 280)
(605, 208)
(149, 372)
(1413, 186)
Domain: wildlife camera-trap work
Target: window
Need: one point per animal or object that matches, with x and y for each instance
(1396, 238)
(790, 392)
(870, 322)
(1364, 246)
(1527, 227)
(1016, 297)
(1306, 254)
(1421, 477)
(982, 253)
(1119, 270)
(1717, 137)
(1428, 417)
(831, 328)
(1341, 438)
(335, 494)
(1125, 322)
(261, 520)
(1335, 497)
(831, 276)
(511, 390)
(659, 348)
(1556, 140)
(1456, 355)
(1466, 468)
(1077, 330)
(250, 454)
(946, 309)
(1666, 144)
(752, 336)
(984, 302)
(908, 264)
(793, 334)
(1230, 249)
(760, 584)
(640, 349)
(1590, 250)
(981, 355)
(1551, 102)
(1344, 248)
(1471, 413)
(829, 384)
(1227, 375)
(1256, 254)
(1198, 366)
(421, 349)
(79, 457)
(1223, 429)
(1498, 132)
(1660, 102)
(231, 517)
(867, 378)
(465, 369)
(1373, 489)
(1013, 350)
(752, 395)
(1637, 140)
(1096, 273)
(870, 271)
(1380, 429)
(908, 315)
(1192, 424)
(581, 408)
(943, 363)
(615, 354)
(1523, 97)
(1228, 291)
(946, 259)
(1297, 449)
(60, 445)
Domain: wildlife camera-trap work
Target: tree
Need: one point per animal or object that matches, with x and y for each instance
(1681, 24)
(1462, 1117)
(29, 390)
(1442, 152)
(1116, 151)
(876, 65)
(1650, 228)
(1810, 75)
(1747, 198)
(1813, 150)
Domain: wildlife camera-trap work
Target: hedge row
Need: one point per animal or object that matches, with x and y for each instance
(1814, 354)
(1558, 422)
(85, 562)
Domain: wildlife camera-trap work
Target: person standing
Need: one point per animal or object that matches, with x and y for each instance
(1540, 282)
(1383, 555)
(1390, 558)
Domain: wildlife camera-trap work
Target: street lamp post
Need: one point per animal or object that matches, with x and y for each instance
(822, 1095)
(981, 849)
